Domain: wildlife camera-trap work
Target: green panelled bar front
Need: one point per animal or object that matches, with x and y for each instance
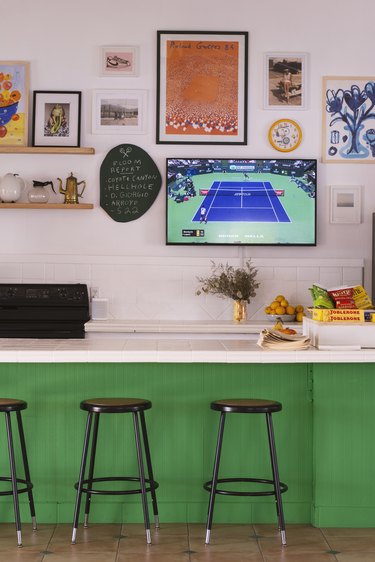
(324, 438)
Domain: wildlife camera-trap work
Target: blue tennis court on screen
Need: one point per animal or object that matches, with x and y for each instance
(242, 201)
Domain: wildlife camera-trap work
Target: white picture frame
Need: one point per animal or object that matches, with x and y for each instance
(119, 111)
(285, 80)
(345, 204)
(119, 60)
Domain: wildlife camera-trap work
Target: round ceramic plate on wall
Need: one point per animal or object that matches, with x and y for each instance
(285, 135)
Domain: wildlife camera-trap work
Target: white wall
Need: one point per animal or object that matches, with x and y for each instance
(62, 43)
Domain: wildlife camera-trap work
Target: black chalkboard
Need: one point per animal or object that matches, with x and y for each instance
(129, 182)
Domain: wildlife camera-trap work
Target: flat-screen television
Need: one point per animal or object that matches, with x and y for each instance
(239, 201)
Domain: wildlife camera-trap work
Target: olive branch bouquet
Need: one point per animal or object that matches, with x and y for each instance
(226, 281)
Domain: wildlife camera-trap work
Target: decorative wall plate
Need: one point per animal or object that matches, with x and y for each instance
(285, 135)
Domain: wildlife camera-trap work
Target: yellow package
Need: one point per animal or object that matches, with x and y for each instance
(361, 298)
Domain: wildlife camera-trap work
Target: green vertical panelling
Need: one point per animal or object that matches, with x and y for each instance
(182, 432)
(344, 445)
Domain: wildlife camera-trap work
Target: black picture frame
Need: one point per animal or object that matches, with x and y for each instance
(202, 87)
(56, 118)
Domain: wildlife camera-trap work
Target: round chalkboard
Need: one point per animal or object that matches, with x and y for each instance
(129, 182)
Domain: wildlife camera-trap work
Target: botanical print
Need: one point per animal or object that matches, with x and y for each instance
(348, 116)
(13, 103)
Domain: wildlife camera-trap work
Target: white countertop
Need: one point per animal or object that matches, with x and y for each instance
(175, 327)
(119, 348)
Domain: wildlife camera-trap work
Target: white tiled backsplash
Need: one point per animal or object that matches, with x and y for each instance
(148, 288)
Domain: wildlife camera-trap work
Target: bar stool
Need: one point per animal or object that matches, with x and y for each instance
(95, 407)
(9, 405)
(246, 406)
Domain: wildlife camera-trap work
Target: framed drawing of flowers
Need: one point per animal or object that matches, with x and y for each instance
(348, 119)
(14, 91)
(201, 87)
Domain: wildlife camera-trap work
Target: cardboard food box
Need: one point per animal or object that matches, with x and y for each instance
(341, 315)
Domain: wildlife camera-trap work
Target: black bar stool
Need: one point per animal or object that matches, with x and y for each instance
(9, 405)
(246, 406)
(95, 407)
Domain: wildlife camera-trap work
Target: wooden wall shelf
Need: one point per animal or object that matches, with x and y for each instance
(46, 150)
(65, 207)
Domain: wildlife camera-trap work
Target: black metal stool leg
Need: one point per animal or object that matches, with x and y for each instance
(13, 477)
(91, 468)
(26, 469)
(142, 477)
(81, 477)
(149, 469)
(276, 479)
(215, 477)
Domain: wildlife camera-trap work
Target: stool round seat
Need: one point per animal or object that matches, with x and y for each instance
(12, 405)
(115, 405)
(246, 406)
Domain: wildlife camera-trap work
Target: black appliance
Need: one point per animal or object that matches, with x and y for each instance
(40, 310)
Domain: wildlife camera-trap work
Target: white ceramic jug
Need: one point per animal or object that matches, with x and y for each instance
(11, 187)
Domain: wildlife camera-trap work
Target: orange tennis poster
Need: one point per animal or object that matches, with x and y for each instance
(202, 88)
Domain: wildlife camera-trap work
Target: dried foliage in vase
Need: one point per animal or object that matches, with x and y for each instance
(226, 281)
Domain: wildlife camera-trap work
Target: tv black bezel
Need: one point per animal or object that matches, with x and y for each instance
(275, 245)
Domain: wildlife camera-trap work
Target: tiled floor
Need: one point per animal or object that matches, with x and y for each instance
(185, 543)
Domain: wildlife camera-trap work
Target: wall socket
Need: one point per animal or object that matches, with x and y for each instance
(94, 292)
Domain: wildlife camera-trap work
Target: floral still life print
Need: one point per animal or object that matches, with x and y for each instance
(348, 120)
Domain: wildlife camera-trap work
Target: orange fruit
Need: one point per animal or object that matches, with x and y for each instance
(299, 308)
(279, 298)
(290, 310)
(284, 303)
(274, 305)
(299, 316)
(280, 310)
(268, 310)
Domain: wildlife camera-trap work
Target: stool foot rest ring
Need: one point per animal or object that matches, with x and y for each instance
(208, 486)
(89, 490)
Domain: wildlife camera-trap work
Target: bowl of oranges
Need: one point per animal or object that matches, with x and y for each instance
(281, 308)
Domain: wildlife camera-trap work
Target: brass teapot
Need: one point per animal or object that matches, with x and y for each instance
(71, 190)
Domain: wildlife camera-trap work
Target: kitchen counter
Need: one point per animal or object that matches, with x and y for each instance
(150, 348)
(324, 432)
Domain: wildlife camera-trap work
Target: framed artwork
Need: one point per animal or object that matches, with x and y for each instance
(348, 119)
(56, 118)
(201, 87)
(14, 92)
(119, 61)
(285, 80)
(285, 135)
(119, 111)
(345, 204)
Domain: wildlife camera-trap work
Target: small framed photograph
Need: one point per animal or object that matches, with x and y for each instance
(119, 111)
(345, 204)
(14, 91)
(119, 61)
(202, 87)
(285, 81)
(56, 118)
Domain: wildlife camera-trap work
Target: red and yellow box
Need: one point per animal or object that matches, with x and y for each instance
(339, 315)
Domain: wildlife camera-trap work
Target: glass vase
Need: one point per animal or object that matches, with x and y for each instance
(239, 311)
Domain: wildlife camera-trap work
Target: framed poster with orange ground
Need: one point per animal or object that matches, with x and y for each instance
(14, 90)
(202, 87)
